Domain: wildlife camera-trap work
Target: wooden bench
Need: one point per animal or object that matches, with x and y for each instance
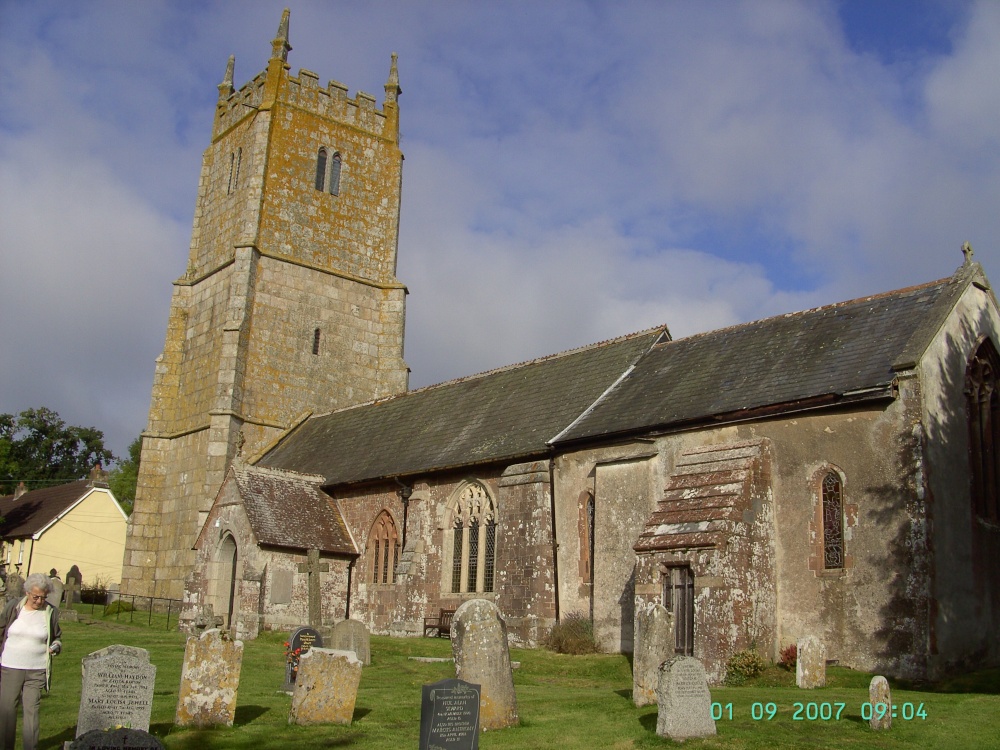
(441, 624)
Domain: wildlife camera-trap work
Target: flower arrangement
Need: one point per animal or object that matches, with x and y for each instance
(292, 659)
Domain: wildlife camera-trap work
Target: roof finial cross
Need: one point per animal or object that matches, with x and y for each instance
(967, 252)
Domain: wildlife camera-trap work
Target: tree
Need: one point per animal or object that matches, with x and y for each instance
(125, 476)
(39, 449)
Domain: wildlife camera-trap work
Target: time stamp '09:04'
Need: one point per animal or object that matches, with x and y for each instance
(761, 711)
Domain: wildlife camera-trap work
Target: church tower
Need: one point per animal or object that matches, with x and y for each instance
(289, 304)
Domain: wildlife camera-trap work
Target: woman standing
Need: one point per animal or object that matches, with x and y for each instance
(29, 638)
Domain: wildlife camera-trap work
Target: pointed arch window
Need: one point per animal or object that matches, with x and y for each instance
(983, 405)
(321, 169)
(474, 541)
(833, 521)
(383, 550)
(335, 164)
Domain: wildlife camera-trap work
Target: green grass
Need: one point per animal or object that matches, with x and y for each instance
(563, 702)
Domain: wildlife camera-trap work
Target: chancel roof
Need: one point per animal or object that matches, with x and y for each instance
(31, 512)
(828, 355)
(290, 510)
(500, 415)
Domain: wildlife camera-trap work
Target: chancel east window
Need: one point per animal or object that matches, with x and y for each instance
(383, 549)
(474, 541)
(833, 521)
(983, 404)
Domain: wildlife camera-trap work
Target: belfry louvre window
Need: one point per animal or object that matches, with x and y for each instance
(383, 549)
(321, 169)
(983, 404)
(833, 521)
(473, 548)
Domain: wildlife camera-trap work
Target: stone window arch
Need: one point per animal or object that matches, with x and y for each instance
(383, 550)
(471, 541)
(335, 164)
(983, 406)
(321, 159)
(832, 521)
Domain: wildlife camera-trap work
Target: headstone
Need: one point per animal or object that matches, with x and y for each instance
(449, 716)
(75, 575)
(352, 635)
(685, 705)
(810, 667)
(71, 592)
(482, 657)
(117, 689)
(880, 695)
(313, 567)
(15, 585)
(654, 644)
(55, 590)
(123, 739)
(327, 687)
(210, 679)
(299, 643)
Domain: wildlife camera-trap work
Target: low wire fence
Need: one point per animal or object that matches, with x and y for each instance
(152, 611)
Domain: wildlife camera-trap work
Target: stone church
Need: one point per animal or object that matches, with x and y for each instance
(832, 472)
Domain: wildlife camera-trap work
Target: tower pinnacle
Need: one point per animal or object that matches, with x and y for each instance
(280, 46)
(226, 87)
(392, 89)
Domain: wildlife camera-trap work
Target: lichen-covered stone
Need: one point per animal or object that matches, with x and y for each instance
(880, 694)
(654, 644)
(482, 657)
(810, 667)
(326, 687)
(210, 680)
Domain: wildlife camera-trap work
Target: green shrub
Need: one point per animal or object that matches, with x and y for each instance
(743, 665)
(573, 634)
(118, 606)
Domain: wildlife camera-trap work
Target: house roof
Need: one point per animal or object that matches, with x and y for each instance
(290, 510)
(828, 355)
(33, 511)
(495, 416)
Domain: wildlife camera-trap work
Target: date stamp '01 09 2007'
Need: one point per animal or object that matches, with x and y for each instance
(812, 711)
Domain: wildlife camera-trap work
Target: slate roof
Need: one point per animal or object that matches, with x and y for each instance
(34, 510)
(833, 354)
(290, 510)
(496, 416)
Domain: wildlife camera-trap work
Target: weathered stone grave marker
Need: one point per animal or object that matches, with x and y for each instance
(75, 575)
(301, 640)
(56, 588)
(210, 680)
(352, 635)
(810, 667)
(121, 739)
(654, 644)
(449, 716)
(117, 689)
(685, 705)
(313, 567)
(71, 592)
(327, 687)
(482, 657)
(880, 697)
(15, 585)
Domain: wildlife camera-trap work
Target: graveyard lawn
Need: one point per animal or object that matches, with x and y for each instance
(563, 701)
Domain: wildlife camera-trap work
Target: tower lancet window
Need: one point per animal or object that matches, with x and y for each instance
(335, 175)
(328, 171)
(234, 170)
(321, 169)
(316, 341)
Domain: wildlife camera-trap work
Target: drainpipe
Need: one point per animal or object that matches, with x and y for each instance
(404, 493)
(347, 606)
(555, 543)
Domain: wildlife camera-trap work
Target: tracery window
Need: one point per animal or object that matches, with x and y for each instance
(833, 521)
(983, 404)
(383, 549)
(474, 540)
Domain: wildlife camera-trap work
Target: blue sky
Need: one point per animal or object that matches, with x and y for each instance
(574, 170)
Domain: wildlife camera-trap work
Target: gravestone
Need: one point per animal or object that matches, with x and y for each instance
(55, 589)
(352, 635)
(75, 575)
(685, 705)
(482, 657)
(122, 739)
(449, 716)
(312, 568)
(810, 667)
(15, 585)
(71, 592)
(327, 687)
(654, 644)
(117, 689)
(879, 693)
(301, 639)
(210, 679)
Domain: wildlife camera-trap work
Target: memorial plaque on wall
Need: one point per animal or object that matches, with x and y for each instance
(449, 716)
